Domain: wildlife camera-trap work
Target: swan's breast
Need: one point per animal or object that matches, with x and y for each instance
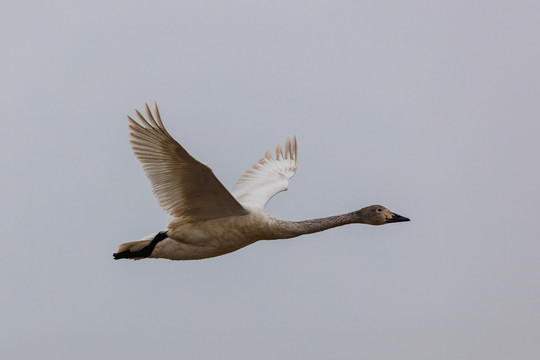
(209, 238)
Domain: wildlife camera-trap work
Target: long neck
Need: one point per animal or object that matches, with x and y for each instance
(290, 229)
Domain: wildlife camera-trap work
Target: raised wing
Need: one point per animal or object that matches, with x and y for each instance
(184, 187)
(267, 177)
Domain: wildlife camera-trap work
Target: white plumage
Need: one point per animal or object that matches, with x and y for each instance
(267, 177)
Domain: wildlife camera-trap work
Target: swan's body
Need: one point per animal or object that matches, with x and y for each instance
(209, 221)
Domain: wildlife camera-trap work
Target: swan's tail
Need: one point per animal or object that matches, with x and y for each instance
(141, 249)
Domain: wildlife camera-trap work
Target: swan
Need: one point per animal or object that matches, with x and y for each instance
(207, 220)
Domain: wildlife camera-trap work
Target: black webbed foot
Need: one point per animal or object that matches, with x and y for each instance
(145, 251)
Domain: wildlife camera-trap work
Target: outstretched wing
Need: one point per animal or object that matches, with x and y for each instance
(267, 177)
(184, 187)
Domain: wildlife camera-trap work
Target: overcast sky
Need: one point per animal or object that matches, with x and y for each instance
(429, 108)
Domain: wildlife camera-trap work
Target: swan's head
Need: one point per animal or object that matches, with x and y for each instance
(378, 215)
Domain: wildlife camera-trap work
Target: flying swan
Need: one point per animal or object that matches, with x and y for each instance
(207, 220)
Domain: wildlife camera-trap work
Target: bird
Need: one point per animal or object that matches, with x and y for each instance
(208, 220)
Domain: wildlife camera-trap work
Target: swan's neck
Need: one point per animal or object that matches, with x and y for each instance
(290, 229)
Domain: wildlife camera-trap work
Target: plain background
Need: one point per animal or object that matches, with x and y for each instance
(427, 107)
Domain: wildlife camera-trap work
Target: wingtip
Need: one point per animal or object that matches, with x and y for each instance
(279, 152)
(149, 114)
(152, 120)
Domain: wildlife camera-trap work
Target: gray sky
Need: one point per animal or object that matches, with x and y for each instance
(429, 108)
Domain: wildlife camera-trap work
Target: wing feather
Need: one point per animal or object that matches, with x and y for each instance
(268, 177)
(184, 187)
